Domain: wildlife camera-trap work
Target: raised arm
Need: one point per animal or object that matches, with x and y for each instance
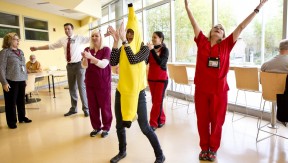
(193, 22)
(246, 21)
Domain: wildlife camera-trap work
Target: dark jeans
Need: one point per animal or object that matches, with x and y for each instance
(15, 97)
(142, 121)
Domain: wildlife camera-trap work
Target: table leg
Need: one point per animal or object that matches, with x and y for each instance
(49, 83)
(273, 116)
(53, 86)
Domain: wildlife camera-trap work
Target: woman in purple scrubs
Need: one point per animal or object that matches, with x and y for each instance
(98, 84)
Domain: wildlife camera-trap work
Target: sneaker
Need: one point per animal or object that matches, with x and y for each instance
(212, 156)
(104, 134)
(118, 157)
(203, 155)
(94, 133)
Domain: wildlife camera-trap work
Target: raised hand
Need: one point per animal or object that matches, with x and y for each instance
(111, 31)
(86, 54)
(122, 32)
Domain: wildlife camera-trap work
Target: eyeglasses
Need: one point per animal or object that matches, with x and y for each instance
(219, 27)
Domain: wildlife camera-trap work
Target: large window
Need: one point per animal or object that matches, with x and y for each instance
(248, 48)
(36, 29)
(158, 19)
(184, 36)
(8, 23)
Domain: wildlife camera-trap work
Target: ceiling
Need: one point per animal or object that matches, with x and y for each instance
(45, 6)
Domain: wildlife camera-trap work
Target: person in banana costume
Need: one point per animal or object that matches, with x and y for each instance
(130, 98)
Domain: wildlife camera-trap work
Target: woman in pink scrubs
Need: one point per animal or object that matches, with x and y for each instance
(211, 86)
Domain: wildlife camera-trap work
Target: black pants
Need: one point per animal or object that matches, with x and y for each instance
(142, 121)
(15, 97)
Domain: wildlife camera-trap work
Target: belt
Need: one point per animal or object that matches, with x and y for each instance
(73, 63)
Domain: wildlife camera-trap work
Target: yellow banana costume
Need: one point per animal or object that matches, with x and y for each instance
(132, 78)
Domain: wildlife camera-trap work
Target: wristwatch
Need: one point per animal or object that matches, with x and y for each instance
(124, 42)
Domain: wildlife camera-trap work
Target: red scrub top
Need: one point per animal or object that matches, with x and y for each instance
(155, 71)
(212, 80)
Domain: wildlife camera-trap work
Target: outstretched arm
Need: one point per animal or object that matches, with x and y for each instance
(245, 22)
(193, 22)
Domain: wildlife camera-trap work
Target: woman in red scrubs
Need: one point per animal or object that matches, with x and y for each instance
(211, 86)
(157, 78)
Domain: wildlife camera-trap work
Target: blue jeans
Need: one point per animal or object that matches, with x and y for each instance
(142, 121)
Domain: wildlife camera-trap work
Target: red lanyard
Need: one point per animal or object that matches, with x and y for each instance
(17, 52)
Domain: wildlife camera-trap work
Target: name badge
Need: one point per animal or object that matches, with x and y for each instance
(23, 68)
(213, 62)
(72, 41)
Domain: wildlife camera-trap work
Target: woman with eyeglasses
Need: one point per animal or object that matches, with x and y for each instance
(13, 76)
(98, 84)
(211, 85)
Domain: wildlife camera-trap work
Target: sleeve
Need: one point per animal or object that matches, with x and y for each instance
(84, 39)
(3, 66)
(56, 45)
(102, 63)
(138, 57)
(201, 37)
(38, 67)
(264, 67)
(162, 58)
(115, 55)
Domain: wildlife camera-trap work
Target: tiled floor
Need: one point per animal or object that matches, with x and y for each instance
(53, 138)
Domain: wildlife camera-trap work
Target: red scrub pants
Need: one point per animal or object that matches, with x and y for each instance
(211, 111)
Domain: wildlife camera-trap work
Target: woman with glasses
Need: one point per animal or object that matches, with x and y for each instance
(13, 76)
(211, 86)
(98, 84)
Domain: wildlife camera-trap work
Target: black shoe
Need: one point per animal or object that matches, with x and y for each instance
(12, 126)
(70, 113)
(26, 120)
(94, 133)
(161, 125)
(86, 113)
(104, 134)
(118, 157)
(160, 160)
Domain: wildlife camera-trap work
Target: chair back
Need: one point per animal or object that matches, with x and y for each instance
(180, 75)
(272, 84)
(30, 84)
(170, 70)
(247, 78)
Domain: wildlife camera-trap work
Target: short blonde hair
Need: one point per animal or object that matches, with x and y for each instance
(7, 40)
(101, 41)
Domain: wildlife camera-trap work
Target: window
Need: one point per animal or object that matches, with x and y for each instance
(150, 2)
(158, 19)
(185, 46)
(36, 29)
(8, 23)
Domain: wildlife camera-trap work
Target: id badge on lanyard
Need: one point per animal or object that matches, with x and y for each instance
(214, 62)
(23, 68)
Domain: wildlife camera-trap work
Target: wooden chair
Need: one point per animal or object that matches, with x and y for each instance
(247, 79)
(180, 78)
(272, 84)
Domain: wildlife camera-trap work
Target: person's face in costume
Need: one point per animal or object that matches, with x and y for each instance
(129, 35)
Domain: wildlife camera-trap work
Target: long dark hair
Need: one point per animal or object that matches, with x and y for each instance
(160, 35)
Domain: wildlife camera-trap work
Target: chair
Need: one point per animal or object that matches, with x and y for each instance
(247, 79)
(180, 77)
(272, 84)
(30, 86)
